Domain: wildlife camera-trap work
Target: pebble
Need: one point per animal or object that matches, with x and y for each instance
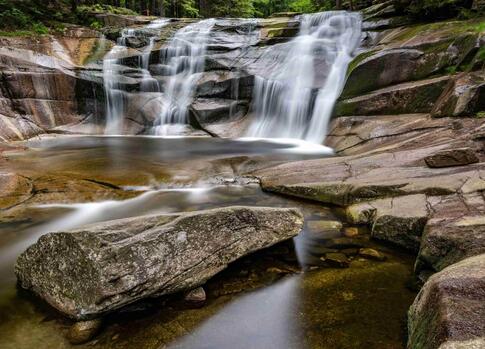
(83, 331)
(370, 253)
(196, 298)
(351, 232)
(336, 260)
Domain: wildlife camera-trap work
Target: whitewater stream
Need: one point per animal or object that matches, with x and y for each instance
(80, 180)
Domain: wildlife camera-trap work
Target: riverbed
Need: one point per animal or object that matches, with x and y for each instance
(280, 298)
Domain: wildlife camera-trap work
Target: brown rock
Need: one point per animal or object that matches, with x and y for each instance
(370, 253)
(452, 157)
(196, 298)
(83, 331)
(351, 232)
(336, 260)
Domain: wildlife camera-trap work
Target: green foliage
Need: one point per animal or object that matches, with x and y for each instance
(40, 28)
(435, 9)
(101, 8)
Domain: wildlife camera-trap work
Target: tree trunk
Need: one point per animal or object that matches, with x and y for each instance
(338, 4)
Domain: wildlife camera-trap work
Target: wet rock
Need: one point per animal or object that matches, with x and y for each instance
(449, 311)
(213, 110)
(336, 260)
(406, 98)
(83, 331)
(455, 231)
(453, 157)
(370, 253)
(14, 189)
(351, 232)
(100, 268)
(196, 298)
(323, 228)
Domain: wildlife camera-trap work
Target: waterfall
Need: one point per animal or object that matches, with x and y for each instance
(183, 57)
(307, 75)
(114, 73)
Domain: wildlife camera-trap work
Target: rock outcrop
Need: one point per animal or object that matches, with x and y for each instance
(97, 269)
(449, 310)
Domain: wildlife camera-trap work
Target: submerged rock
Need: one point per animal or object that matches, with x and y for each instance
(103, 267)
(449, 312)
(83, 331)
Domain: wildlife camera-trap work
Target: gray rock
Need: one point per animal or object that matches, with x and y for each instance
(455, 231)
(449, 311)
(103, 267)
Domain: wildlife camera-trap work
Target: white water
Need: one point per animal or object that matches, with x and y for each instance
(113, 73)
(297, 99)
(184, 57)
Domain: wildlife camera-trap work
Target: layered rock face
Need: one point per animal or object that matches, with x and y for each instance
(97, 269)
(40, 84)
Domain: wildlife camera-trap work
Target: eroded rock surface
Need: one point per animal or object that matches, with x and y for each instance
(100, 268)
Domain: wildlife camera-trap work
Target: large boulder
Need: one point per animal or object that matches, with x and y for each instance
(449, 311)
(97, 269)
(455, 231)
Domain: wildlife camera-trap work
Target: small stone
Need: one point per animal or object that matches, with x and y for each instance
(323, 225)
(452, 157)
(337, 260)
(370, 253)
(196, 298)
(351, 232)
(83, 331)
(275, 270)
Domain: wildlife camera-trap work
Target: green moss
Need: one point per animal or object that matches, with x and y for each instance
(480, 115)
(359, 59)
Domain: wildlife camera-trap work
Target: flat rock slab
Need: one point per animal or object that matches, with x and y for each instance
(449, 312)
(400, 220)
(97, 269)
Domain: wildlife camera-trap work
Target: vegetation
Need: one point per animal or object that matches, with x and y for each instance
(27, 17)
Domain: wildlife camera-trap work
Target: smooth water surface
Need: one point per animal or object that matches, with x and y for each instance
(250, 305)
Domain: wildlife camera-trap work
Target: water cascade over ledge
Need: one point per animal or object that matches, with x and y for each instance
(295, 100)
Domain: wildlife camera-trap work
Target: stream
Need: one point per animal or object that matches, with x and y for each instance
(282, 297)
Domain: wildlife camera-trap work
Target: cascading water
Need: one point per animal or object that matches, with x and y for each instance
(114, 71)
(183, 57)
(307, 76)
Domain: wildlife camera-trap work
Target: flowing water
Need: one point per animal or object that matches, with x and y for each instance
(264, 300)
(115, 73)
(297, 98)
